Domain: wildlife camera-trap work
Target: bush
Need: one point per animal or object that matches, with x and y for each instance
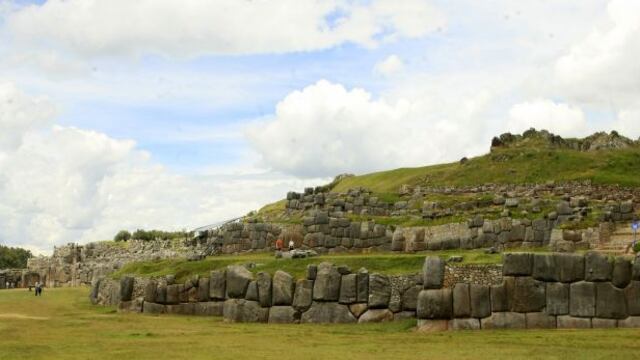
(122, 235)
(636, 247)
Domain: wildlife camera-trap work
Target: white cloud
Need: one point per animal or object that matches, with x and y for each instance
(561, 119)
(325, 129)
(389, 66)
(628, 122)
(62, 184)
(603, 67)
(193, 27)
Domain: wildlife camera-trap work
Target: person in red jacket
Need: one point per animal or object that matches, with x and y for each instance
(279, 244)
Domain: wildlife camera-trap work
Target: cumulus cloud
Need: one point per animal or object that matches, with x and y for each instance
(561, 119)
(603, 67)
(193, 27)
(62, 184)
(326, 129)
(389, 66)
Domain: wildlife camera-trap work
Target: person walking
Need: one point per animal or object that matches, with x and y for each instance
(37, 288)
(291, 245)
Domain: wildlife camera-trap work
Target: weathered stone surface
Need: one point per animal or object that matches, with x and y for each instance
(327, 284)
(95, 290)
(635, 272)
(379, 291)
(150, 291)
(499, 300)
(410, 298)
(597, 323)
(126, 288)
(376, 315)
(480, 301)
(621, 272)
(435, 304)
(209, 308)
(203, 289)
(217, 284)
(544, 267)
(597, 267)
(525, 294)
(283, 315)
(464, 324)
(283, 288)
(630, 322)
(632, 293)
(433, 272)
(429, 326)
(517, 264)
(173, 294)
(134, 306)
(348, 290)
(152, 308)
(404, 315)
(181, 309)
(252, 291)
(540, 320)
(240, 310)
(303, 295)
(161, 294)
(263, 282)
(557, 299)
(570, 267)
(358, 309)
(362, 285)
(312, 272)
(610, 302)
(504, 320)
(570, 322)
(582, 299)
(237, 281)
(461, 301)
(328, 312)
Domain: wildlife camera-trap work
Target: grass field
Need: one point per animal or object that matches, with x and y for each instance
(386, 263)
(63, 325)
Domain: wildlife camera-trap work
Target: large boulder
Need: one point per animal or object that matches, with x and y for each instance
(540, 320)
(525, 294)
(632, 292)
(173, 294)
(263, 283)
(252, 291)
(410, 298)
(203, 289)
(209, 308)
(517, 264)
(621, 272)
(544, 267)
(610, 302)
(240, 310)
(379, 291)
(161, 294)
(283, 315)
(153, 308)
(283, 288)
(435, 304)
(328, 312)
(597, 267)
(126, 288)
(571, 322)
(362, 285)
(504, 320)
(375, 316)
(237, 281)
(557, 299)
(635, 272)
(464, 324)
(582, 299)
(570, 267)
(327, 284)
(217, 284)
(150, 291)
(499, 300)
(480, 301)
(348, 290)
(303, 296)
(461, 301)
(433, 272)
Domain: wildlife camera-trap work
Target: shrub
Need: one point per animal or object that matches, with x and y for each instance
(122, 235)
(636, 247)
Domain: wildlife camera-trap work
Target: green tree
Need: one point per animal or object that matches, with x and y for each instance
(13, 258)
(122, 235)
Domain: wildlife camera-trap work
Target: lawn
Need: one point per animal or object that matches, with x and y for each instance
(63, 325)
(387, 263)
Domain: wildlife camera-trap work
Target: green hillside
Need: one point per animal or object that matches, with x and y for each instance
(528, 159)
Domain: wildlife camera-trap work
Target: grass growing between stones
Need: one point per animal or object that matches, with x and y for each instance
(63, 325)
(377, 262)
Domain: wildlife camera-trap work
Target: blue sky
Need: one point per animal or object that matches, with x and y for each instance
(119, 114)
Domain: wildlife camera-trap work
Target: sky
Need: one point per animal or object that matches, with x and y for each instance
(173, 114)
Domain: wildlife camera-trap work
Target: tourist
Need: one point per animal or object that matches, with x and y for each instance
(37, 288)
(279, 244)
(291, 245)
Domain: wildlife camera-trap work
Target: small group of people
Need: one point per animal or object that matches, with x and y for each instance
(280, 244)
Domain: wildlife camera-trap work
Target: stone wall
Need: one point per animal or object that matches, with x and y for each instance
(17, 278)
(537, 291)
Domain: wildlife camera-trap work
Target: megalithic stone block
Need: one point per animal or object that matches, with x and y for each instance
(582, 299)
(517, 264)
(217, 284)
(433, 272)
(435, 304)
